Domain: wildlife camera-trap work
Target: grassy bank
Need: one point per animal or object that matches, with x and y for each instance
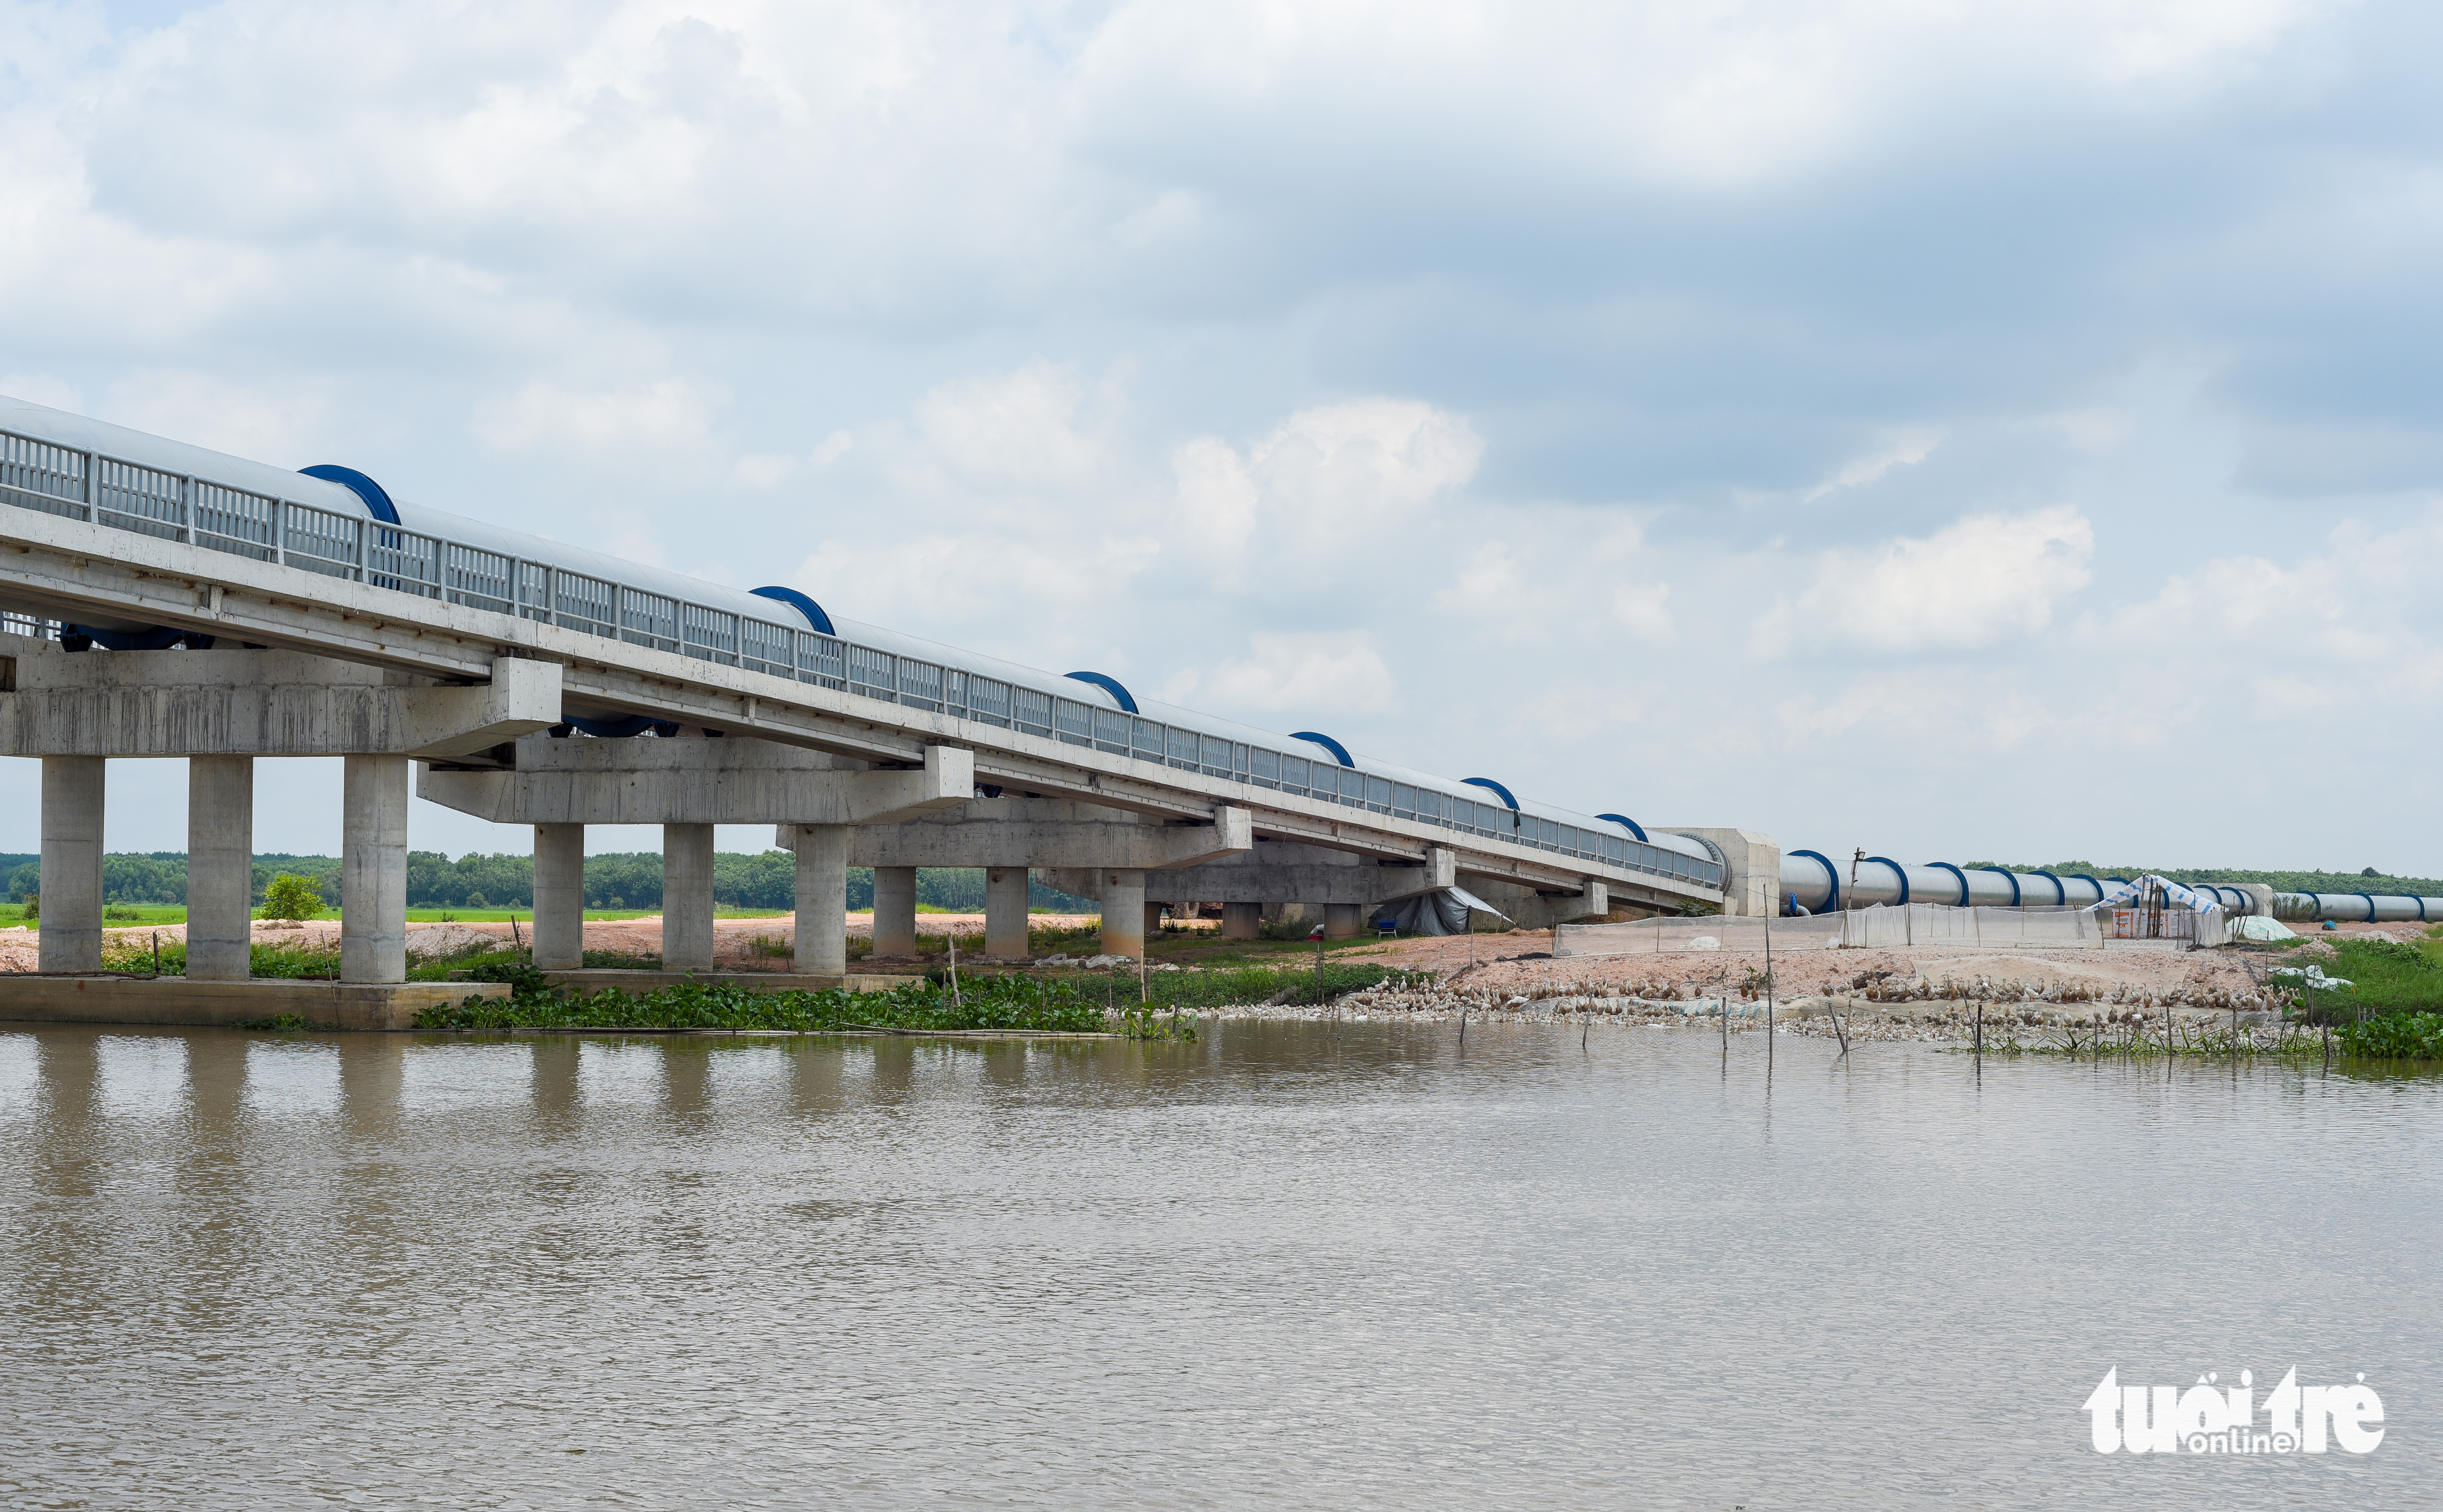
(989, 1002)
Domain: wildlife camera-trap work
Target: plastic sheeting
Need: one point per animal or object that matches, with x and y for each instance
(2178, 893)
(2258, 928)
(1439, 913)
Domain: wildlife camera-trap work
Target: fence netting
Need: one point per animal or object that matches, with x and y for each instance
(1909, 924)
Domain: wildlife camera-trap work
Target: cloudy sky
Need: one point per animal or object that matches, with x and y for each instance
(1963, 430)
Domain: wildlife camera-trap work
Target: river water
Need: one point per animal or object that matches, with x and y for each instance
(1286, 1265)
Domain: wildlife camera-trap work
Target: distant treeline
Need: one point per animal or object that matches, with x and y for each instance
(627, 880)
(2366, 881)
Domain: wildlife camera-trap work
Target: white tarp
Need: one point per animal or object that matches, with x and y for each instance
(2257, 927)
(1442, 911)
(2186, 898)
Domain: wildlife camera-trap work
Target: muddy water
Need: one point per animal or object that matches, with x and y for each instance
(1283, 1266)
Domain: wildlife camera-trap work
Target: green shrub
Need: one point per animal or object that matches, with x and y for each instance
(984, 1003)
(290, 896)
(2395, 1037)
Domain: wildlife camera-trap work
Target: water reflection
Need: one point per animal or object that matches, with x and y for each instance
(289, 1080)
(1286, 1264)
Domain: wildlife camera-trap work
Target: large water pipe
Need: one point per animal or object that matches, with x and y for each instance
(1820, 885)
(2358, 908)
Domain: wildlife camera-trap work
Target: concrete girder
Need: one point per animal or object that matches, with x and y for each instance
(1045, 833)
(1275, 872)
(698, 781)
(256, 703)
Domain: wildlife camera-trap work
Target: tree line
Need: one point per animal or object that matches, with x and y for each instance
(630, 880)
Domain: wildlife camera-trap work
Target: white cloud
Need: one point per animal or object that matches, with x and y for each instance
(42, 388)
(279, 426)
(543, 416)
(1309, 676)
(1012, 429)
(1987, 578)
(1326, 494)
(1907, 448)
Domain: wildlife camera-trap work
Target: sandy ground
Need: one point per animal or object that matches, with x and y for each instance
(1521, 965)
(735, 941)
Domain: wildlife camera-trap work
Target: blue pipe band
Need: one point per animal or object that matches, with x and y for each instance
(1111, 686)
(2082, 877)
(2370, 903)
(2061, 894)
(815, 619)
(377, 498)
(1626, 822)
(1831, 878)
(1898, 871)
(1326, 743)
(1946, 866)
(1478, 782)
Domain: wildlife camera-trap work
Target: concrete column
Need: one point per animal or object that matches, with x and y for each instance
(70, 935)
(686, 898)
(1243, 921)
(1123, 913)
(1005, 917)
(372, 870)
(894, 910)
(822, 898)
(220, 868)
(558, 897)
(1341, 921)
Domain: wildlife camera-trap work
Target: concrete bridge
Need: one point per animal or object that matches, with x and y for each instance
(169, 602)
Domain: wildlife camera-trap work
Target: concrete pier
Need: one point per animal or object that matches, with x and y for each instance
(1341, 921)
(1243, 921)
(220, 868)
(823, 901)
(558, 897)
(1124, 911)
(686, 898)
(372, 870)
(71, 936)
(894, 910)
(1005, 917)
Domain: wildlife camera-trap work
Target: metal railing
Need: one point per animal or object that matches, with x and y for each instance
(122, 495)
